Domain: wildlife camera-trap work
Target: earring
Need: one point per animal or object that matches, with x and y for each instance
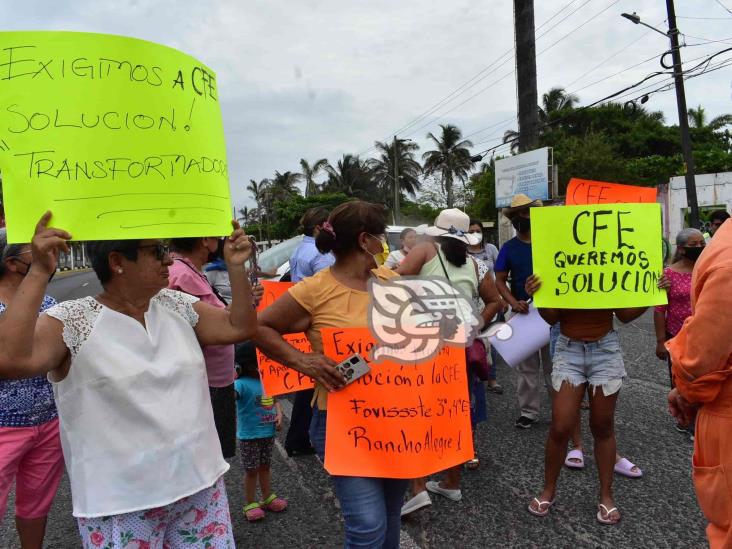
(120, 271)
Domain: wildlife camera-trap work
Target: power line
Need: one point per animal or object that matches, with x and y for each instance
(704, 18)
(725, 8)
(477, 77)
(578, 27)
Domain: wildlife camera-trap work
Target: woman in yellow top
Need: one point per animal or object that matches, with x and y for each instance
(337, 297)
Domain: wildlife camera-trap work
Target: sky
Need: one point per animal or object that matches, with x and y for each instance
(320, 78)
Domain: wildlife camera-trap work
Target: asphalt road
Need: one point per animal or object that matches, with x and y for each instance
(659, 510)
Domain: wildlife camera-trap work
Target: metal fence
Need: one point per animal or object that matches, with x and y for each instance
(77, 258)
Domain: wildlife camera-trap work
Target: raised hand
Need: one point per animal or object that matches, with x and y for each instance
(46, 246)
(238, 248)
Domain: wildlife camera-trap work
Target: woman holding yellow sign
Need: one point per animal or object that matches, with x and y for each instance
(587, 355)
(130, 385)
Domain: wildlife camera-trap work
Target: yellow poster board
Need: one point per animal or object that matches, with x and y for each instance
(606, 256)
(120, 138)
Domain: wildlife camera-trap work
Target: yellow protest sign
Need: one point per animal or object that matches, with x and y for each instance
(120, 138)
(604, 256)
(397, 421)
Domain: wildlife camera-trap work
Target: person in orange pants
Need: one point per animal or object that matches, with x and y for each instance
(701, 356)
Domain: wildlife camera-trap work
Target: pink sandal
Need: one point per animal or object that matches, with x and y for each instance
(254, 512)
(275, 504)
(539, 512)
(625, 467)
(577, 455)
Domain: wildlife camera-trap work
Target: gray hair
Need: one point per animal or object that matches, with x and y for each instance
(685, 234)
(7, 250)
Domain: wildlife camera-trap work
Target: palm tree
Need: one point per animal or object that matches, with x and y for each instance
(352, 177)
(698, 119)
(284, 185)
(382, 168)
(257, 192)
(309, 172)
(555, 100)
(451, 159)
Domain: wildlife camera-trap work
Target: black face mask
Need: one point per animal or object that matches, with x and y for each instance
(521, 224)
(693, 253)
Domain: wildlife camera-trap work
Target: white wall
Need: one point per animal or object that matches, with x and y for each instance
(712, 189)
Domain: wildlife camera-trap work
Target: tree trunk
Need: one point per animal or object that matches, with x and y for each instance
(450, 193)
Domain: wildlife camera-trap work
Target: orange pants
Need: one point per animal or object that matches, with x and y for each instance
(713, 472)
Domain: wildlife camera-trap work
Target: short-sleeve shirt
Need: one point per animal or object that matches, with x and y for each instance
(679, 300)
(515, 259)
(184, 276)
(307, 260)
(487, 254)
(255, 413)
(27, 402)
(332, 305)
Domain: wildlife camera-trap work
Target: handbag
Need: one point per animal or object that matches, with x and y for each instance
(476, 355)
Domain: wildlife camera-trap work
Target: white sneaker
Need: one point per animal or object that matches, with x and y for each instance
(417, 502)
(434, 487)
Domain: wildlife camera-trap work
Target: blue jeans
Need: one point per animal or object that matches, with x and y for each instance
(371, 507)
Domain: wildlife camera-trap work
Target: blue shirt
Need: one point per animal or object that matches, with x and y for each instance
(307, 260)
(255, 414)
(515, 259)
(27, 402)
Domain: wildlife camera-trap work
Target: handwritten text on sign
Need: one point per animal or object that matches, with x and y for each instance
(598, 256)
(585, 191)
(120, 138)
(398, 421)
(278, 379)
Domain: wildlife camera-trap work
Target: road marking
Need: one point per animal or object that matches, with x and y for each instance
(405, 540)
(85, 285)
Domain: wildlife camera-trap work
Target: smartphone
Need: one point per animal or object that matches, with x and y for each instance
(353, 368)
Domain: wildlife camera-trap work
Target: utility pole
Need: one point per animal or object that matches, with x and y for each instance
(396, 181)
(691, 200)
(528, 116)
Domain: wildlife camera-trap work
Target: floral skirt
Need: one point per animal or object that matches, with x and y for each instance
(201, 520)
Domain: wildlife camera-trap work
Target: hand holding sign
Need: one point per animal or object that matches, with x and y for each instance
(47, 245)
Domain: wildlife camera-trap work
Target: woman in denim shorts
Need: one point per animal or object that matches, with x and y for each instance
(587, 356)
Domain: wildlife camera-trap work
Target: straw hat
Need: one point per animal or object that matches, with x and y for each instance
(454, 223)
(520, 202)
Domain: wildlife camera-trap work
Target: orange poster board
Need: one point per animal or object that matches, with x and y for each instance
(586, 191)
(278, 379)
(398, 421)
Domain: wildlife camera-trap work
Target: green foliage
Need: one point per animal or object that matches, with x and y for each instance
(417, 213)
(483, 188)
(287, 213)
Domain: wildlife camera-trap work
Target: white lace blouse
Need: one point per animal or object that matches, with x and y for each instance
(135, 414)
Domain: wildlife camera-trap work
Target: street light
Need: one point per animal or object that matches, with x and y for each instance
(673, 36)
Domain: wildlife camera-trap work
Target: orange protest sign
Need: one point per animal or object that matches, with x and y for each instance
(397, 421)
(586, 191)
(278, 379)
(272, 290)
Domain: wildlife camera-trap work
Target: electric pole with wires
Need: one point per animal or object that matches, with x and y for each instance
(528, 115)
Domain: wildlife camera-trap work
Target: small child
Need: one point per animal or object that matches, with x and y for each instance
(257, 417)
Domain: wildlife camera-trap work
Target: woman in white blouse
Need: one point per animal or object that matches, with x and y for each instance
(130, 385)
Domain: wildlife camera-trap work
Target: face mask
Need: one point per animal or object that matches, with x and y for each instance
(521, 224)
(693, 253)
(379, 258)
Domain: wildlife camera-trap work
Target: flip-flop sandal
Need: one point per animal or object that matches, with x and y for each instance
(577, 455)
(274, 504)
(538, 512)
(497, 388)
(606, 519)
(625, 467)
(473, 464)
(254, 512)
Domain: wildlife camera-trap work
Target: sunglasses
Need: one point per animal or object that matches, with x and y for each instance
(160, 251)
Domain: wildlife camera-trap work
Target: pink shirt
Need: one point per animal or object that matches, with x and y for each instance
(219, 358)
(679, 300)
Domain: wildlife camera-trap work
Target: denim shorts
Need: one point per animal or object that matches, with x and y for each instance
(597, 363)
